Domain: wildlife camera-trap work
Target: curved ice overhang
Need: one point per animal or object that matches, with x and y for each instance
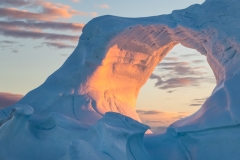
(134, 46)
(115, 57)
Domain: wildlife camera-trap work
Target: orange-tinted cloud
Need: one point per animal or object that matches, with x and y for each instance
(8, 99)
(94, 14)
(59, 10)
(46, 15)
(76, 1)
(104, 6)
(45, 11)
(24, 23)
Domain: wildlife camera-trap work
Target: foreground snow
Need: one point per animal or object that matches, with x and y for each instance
(65, 118)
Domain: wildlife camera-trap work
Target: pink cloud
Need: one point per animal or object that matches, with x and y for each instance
(59, 10)
(46, 10)
(105, 6)
(16, 2)
(19, 14)
(21, 23)
(46, 15)
(94, 14)
(76, 1)
(8, 99)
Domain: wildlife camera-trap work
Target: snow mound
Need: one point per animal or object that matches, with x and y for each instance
(114, 137)
(114, 58)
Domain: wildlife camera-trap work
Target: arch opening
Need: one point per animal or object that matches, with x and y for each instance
(177, 88)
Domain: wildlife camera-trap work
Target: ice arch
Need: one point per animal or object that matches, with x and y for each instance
(115, 56)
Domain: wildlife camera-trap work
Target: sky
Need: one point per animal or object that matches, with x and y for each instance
(37, 36)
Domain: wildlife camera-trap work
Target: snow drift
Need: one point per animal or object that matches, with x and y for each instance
(65, 118)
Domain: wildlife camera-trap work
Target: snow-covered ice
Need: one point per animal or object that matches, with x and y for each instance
(86, 109)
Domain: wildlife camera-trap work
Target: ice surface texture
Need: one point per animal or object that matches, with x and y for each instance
(65, 118)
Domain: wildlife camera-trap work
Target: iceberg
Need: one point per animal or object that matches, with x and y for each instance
(86, 109)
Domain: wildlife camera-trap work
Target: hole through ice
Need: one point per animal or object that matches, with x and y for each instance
(189, 80)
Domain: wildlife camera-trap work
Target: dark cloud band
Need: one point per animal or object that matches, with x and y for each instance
(58, 45)
(37, 35)
(42, 25)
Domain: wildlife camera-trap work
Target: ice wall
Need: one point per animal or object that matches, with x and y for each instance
(115, 57)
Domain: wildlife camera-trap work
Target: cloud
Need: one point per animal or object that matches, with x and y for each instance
(104, 6)
(185, 70)
(64, 55)
(148, 112)
(36, 35)
(27, 19)
(190, 55)
(3, 47)
(170, 68)
(171, 58)
(159, 79)
(5, 44)
(41, 25)
(75, 1)
(46, 10)
(39, 46)
(58, 45)
(8, 99)
(200, 99)
(198, 102)
(8, 42)
(14, 51)
(196, 105)
(176, 82)
(94, 14)
(158, 120)
(179, 82)
(49, 14)
(198, 61)
(182, 68)
(18, 3)
(59, 10)
(180, 74)
(173, 64)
